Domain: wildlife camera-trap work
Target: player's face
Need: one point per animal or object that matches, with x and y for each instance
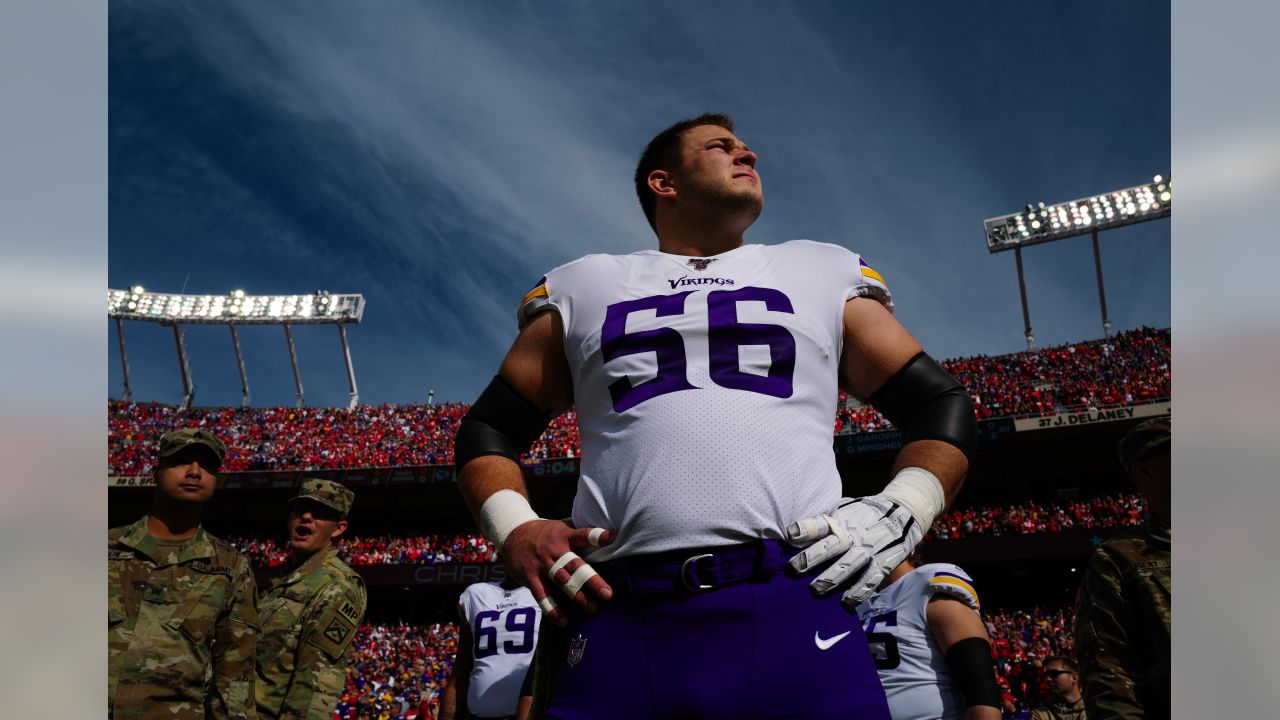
(1061, 678)
(719, 169)
(187, 476)
(313, 526)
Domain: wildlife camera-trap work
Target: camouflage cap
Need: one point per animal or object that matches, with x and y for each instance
(1144, 439)
(179, 440)
(329, 493)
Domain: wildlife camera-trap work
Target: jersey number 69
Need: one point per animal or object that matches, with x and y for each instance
(521, 620)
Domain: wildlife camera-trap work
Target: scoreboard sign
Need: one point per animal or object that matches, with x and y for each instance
(1091, 417)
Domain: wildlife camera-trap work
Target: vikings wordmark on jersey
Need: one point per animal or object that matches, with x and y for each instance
(662, 349)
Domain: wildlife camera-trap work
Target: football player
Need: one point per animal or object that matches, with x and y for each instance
(705, 374)
(497, 634)
(931, 646)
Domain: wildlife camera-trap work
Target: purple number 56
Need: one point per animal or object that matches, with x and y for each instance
(725, 335)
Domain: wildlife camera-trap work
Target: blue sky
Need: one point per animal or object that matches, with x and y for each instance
(440, 157)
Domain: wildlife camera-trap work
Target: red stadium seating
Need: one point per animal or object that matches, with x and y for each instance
(1131, 368)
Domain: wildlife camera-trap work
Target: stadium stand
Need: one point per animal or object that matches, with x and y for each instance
(1130, 368)
(381, 550)
(1022, 519)
(1035, 517)
(403, 658)
(398, 669)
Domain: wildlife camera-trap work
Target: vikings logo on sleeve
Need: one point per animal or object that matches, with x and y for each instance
(871, 276)
(954, 582)
(532, 303)
(870, 284)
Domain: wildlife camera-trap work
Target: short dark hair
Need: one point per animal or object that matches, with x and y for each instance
(1064, 661)
(663, 153)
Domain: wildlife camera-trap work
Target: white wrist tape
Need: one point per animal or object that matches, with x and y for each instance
(919, 491)
(503, 512)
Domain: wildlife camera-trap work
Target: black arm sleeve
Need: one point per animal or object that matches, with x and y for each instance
(973, 672)
(501, 422)
(924, 402)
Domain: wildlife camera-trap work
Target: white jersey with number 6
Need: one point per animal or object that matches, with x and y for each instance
(913, 670)
(504, 633)
(705, 388)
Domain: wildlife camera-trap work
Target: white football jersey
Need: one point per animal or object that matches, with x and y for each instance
(912, 668)
(705, 388)
(504, 634)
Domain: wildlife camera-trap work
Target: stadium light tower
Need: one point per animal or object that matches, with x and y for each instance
(1038, 223)
(232, 310)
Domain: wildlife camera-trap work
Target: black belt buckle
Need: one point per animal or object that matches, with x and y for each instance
(684, 573)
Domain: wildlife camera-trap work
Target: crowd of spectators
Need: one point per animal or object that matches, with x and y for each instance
(1020, 642)
(381, 550)
(1106, 511)
(1130, 368)
(288, 438)
(397, 671)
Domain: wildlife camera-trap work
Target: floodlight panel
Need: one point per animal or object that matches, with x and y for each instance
(1041, 224)
(236, 308)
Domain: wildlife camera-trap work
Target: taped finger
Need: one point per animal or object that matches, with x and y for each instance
(838, 530)
(594, 536)
(560, 564)
(807, 530)
(578, 579)
(547, 604)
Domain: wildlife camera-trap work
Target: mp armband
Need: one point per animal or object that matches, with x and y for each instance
(973, 672)
(925, 403)
(501, 422)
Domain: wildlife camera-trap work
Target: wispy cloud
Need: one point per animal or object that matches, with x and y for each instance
(444, 156)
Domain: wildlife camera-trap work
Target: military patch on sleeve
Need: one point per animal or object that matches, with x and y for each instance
(337, 631)
(335, 636)
(349, 611)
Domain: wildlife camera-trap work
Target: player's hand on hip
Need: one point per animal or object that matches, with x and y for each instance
(541, 554)
(868, 537)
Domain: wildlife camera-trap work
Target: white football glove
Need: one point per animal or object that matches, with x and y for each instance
(870, 536)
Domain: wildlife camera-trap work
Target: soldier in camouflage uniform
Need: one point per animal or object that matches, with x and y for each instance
(1067, 702)
(310, 615)
(181, 616)
(1123, 610)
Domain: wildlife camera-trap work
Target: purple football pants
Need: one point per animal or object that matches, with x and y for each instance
(756, 645)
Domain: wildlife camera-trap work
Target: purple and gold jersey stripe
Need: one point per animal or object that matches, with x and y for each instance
(868, 272)
(946, 578)
(533, 302)
(539, 290)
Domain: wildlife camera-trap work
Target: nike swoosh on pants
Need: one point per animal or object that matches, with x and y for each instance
(825, 644)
